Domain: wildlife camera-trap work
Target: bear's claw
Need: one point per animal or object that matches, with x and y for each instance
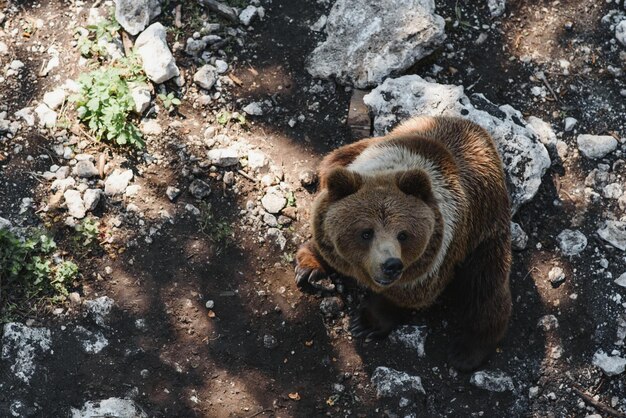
(375, 319)
(311, 277)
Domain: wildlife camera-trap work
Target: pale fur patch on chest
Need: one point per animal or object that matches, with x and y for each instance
(382, 159)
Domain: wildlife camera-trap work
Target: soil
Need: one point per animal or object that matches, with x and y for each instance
(266, 349)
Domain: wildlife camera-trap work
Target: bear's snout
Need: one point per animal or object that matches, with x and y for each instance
(392, 269)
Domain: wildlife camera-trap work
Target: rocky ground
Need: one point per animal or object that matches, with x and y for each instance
(185, 304)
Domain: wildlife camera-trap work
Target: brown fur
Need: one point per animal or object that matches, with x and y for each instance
(478, 255)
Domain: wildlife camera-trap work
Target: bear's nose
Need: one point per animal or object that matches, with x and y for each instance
(392, 267)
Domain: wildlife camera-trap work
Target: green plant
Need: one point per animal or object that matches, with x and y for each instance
(105, 103)
(88, 231)
(459, 16)
(218, 231)
(131, 68)
(169, 100)
(291, 199)
(28, 271)
(225, 116)
(88, 40)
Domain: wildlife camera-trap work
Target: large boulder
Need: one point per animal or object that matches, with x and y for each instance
(134, 15)
(369, 40)
(158, 62)
(525, 157)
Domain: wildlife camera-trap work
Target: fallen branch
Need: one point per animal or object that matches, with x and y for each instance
(543, 78)
(221, 9)
(244, 174)
(597, 404)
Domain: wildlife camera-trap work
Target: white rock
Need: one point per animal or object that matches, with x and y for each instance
(614, 232)
(206, 76)
(117, 182)
(319, 24)
(151, 127)
(273, 201)
(254, 109)
(519, 238)
(229, 178)
(172, 192)
(132, 190)
(544, 131)
(556, 276)
(257, 160)
(596, 146)
(192, 209)
(247, 14)
(572, 242)
(74, 202)
(26, 204)
(21, 346)
(548, 322)
(91, 342)
(494, 381)
(270, 220)
(371, 39)
(55, 98)
(4, 49)
(91, 198)
(132, 15)
(111, 407)
(158, 62)
(223, 157)
(569, 124)
(4, 224)
(27, 115)
(410, 336)
(621, 280)
(16, 65)
(47, 117)
(53, 62)
(612, 191)
(63, 184)
(620, 32)
(533, 392)
(85, 169)
(496, 7)
(142, 96)
(277, 236)
(525, 157)
(98, 309)
(389, 382)
(199, 189)
(610, 365)
(221, 66)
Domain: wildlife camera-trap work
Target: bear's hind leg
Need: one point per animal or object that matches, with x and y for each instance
(485, 301)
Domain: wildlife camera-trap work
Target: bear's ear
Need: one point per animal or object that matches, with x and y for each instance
(415, 183)
(341, 183)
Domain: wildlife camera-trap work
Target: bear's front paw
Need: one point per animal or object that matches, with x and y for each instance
(466, 357)
(309, 270)
(306, 276)
(374, 320)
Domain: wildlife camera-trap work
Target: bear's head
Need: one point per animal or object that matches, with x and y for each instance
(378, 225)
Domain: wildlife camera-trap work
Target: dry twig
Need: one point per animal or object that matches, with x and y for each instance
(597, 404)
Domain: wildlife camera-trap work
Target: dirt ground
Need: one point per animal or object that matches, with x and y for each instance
(265, 348)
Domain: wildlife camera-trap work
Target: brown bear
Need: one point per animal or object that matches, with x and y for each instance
(407, 213)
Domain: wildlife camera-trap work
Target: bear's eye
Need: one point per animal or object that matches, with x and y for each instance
(367, 234)
(403, 236)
